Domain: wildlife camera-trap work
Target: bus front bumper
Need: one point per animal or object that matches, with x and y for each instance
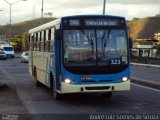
(94, 88)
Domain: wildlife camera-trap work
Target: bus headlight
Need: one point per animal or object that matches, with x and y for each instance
(68, 81)
(124, 79)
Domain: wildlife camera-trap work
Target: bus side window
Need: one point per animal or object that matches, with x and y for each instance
(52, 33)
(49, 39)
(37, 42)
(44, 41)
(52, 40)
(47, 42)
(29, 42)
(40, 39)
(49, 34)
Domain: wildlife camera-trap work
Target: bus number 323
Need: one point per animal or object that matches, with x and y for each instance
(115, 61)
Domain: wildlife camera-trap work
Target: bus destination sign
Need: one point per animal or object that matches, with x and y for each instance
(101, 22)
(94, 22)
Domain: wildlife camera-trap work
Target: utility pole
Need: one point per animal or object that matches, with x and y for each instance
(104, 7)
(42, 14)
(10, 20)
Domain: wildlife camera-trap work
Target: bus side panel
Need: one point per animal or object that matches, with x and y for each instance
(41, 65)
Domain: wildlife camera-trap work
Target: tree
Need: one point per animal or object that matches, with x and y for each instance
(135, 18)
(157, 15)
(17, 43)
(25, 41)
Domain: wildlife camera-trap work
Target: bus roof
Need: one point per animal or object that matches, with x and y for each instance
(45, 26)
(57, 21)
(93, 16)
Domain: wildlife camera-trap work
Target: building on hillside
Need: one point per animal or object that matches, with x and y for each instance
(145, 48)
(157, 36)
(146, 43)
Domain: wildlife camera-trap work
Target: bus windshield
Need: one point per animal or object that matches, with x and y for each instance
(98, 47)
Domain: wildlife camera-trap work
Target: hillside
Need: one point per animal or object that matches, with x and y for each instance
(19, 28)
(139, 29)
(144, 28)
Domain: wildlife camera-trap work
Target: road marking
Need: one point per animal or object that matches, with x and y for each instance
(146, 87)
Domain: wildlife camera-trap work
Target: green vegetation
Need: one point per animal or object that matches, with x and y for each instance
(16, 43)
(144, 28)
(25, 41)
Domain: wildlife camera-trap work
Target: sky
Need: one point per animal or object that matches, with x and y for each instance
(30, 9)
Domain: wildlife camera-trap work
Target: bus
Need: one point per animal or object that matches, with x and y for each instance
(81, 54)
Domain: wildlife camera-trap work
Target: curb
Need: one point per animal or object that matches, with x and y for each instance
(145, 65)
(145, 83)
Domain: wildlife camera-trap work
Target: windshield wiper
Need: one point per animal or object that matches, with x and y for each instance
(106, 40)
(90, 39)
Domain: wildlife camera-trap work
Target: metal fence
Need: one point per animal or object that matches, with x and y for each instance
(146, 55)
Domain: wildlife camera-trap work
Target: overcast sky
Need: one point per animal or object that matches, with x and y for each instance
(30, 9)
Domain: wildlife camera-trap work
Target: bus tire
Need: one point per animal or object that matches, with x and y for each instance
(57, 95)
(51, 83)
(107, 95)
(38, 84)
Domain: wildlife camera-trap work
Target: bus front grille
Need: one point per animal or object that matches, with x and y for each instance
(98, 88)
(105, 80)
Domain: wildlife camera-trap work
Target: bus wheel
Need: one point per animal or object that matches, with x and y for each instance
(107, 95)
(51, 83)
(57, 95)
(38, 84)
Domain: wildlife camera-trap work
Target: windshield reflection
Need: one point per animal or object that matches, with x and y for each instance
(95, 47)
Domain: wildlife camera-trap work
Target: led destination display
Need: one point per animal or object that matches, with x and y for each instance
(101, 22)
(94, 22)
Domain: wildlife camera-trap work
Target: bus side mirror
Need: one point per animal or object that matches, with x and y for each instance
(130, 43)
(57, 34)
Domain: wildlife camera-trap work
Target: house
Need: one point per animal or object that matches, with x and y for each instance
(145, 48)
(157, 36)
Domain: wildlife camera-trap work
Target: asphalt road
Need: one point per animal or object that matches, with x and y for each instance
(38, 100)
(146, 73)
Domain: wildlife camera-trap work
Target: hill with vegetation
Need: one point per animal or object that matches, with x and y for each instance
(144, 28)
(21, 27)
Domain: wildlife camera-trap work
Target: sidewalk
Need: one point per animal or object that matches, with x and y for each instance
(145, 82)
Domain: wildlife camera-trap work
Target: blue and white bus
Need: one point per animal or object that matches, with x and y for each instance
(81, 54)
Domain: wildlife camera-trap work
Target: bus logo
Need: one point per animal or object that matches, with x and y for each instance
(86, 78)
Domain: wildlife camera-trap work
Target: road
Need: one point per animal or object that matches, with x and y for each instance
(146, 73)
(38, 100)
